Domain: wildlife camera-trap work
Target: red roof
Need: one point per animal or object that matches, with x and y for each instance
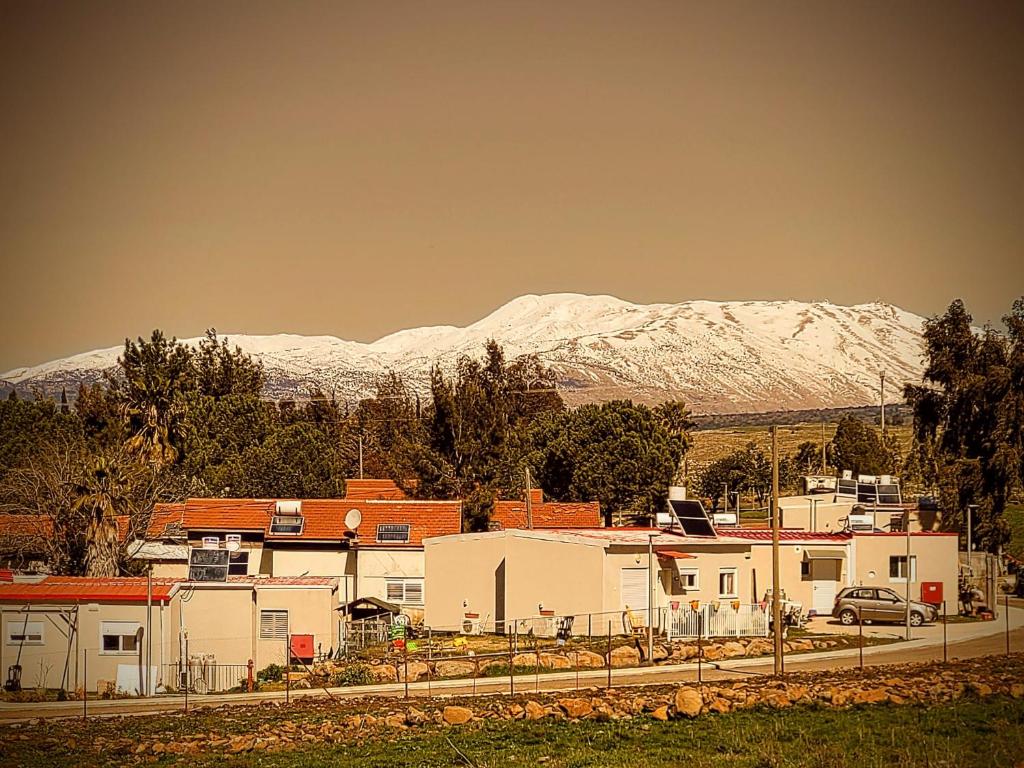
(787, 535)
(368, 489)
(25, 527)
(324, 519)
(546, 514)
(164, 520)
(673, 555)
(70, 589)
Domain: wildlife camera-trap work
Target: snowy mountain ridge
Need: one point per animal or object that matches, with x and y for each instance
(720, 357)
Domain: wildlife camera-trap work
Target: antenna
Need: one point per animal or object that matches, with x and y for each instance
(353, 519)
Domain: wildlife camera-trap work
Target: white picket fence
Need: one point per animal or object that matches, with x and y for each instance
(718, 620)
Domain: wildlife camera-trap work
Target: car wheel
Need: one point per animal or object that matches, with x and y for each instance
(848, 618)
(916, 619)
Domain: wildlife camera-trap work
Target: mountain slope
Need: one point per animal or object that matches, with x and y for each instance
(720, 357)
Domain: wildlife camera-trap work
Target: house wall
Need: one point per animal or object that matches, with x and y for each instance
(169, 570)
(815, 513)
(460, 577)
(936, 560)
(336, 563)
(311, 611)
(562, 576)
(43, 665)
(797, 587)
(375, 566)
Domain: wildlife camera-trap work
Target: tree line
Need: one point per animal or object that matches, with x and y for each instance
(173, 422)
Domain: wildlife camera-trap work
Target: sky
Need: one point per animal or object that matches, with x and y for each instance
(353, 169)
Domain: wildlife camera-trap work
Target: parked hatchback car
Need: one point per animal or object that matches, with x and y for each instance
(855, 604)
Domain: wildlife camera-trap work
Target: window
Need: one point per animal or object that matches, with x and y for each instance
(689, 578)
(395, 533)
(727, 582)
(408, 591)
(119, 636)
(286, 524)
(22, 632)
(238, 565)
(898, 568)
(273, 625)
(862, 594)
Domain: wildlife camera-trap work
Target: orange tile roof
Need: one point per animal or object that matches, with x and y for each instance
(25, 527)
(547, 514)
(367, 489)
(324, 519)
(164, 519)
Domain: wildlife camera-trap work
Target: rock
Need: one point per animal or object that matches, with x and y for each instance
(776, 699)
(684, 652)
(797, 692)
(733, 649)
(801, 645)
(383, 673)
(453, 668)
(980, 689)
(661, 713)
(555, 661)
(625, 656)
(534, 711)
(395, 721)
(525, 660)
(871, 696)
(576, 708)
(415, 716)
(585, 659)
(158, 748)
(759, 647)
(456, 715)
(660, 653)
(720, 705)
(241, 744)
(688, 702)
(1017, 690)
(713, 652)
(417, 671)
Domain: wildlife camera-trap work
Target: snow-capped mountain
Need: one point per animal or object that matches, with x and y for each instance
(720, 357)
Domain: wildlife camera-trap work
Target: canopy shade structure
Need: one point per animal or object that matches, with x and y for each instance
(824, 554)
(671, 554)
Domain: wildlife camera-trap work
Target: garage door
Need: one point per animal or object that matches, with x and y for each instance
(634, 591)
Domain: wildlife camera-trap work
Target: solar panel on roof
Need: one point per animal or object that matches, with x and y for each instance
(208, 564)
(692, 517)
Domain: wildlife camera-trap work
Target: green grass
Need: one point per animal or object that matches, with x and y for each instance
(1014, 516)
(987, 733)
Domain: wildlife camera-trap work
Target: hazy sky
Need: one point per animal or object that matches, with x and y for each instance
(357, 168)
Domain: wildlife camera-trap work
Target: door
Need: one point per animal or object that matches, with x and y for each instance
(634, 590)
(892, 607)
(824, 596)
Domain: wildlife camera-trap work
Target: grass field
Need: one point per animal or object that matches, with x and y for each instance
(987, 733)
(711, 444)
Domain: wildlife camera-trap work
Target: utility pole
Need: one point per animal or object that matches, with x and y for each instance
(529, 501)
(882, 391)
(824, 462)
(650, 598)
(776, 597)
(360, 457)
(906, 525)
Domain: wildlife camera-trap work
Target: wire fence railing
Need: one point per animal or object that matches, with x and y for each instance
(203, 676)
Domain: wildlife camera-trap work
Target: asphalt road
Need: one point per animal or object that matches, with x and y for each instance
(993, 644)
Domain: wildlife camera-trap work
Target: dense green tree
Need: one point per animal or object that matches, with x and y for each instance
(222, 371)
(618, 453)
(808, 458)
(968, 416)
(857, 447)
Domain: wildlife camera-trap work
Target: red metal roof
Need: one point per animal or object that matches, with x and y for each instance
(70, 589)
(674, 555)
(787, 535)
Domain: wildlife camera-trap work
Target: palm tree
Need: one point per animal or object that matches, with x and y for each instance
(99, 497)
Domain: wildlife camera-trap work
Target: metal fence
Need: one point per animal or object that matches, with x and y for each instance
(718, 620)
(201, 676)
(364, 633)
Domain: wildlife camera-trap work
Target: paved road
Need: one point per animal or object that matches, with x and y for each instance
(965, 641)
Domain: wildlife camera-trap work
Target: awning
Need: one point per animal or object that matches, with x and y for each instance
(672, 554)
(824, 554)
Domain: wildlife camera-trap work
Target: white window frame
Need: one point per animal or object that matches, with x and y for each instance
(17, 625)
(735, 583)
(118, 629)
(239, 565)
(901, 569)
(275, 630)
(404, 584)
(687, 572)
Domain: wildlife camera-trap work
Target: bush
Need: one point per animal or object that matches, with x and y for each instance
(272, 673)
(354, 674)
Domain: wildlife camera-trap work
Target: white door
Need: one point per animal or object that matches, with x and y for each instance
(824, 596)
(634, 592)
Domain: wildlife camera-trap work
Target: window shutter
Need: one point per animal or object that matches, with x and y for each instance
(396, 593)
(273, 625)
(413, 592)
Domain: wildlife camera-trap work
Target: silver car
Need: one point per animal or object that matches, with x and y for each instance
(868, 604)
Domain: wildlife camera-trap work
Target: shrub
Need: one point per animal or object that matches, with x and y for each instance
(354, 674)
(272, 673)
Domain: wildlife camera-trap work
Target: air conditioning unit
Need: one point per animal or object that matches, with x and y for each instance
(211, 542)
(861, 523)
(847, 474)
(472, 627)
(885, 479)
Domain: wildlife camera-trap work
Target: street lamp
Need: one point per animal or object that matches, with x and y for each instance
(650, 597)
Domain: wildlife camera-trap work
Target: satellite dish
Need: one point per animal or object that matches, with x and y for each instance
(232, 546)
(353, 519)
